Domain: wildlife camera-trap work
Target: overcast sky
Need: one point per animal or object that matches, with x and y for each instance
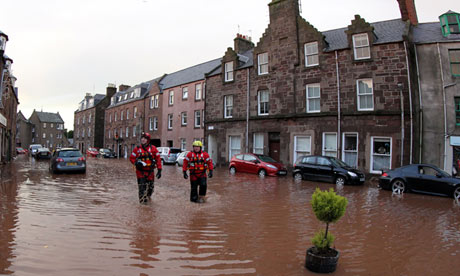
(63, 49)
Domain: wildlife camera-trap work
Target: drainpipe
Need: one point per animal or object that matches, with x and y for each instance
(444, 107)
(338, 107)
(247, 111)
(400, 86)
(421, 108)
(410, 105)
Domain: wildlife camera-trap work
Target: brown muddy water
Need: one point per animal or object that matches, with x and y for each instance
(92, 225)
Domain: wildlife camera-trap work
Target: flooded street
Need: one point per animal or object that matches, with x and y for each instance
(93, 225)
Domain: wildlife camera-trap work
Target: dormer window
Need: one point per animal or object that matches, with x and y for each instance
(112, 100)
(311, 54)
(132, 95)
(361, 46)
(137, 92)
(229, 71)
(450, 23)
(126, 96)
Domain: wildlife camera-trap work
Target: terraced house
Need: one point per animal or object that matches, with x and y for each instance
(299, 91)
(48, 129)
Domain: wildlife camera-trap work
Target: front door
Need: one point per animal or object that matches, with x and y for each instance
(274, 145)
(212, 148)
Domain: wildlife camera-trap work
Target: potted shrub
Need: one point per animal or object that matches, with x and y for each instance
(328, 208)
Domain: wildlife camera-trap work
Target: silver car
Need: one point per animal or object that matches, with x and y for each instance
(169, 155)
(68, 160)
(180, 158)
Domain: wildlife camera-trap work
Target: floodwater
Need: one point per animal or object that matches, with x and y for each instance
(92, 225)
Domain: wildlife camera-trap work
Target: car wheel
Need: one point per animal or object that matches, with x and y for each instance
(398, 186)
(457, 194)
(340, 181)
(298, 176)
(232, 170)
(262, 173)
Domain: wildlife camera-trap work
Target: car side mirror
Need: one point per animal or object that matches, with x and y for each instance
(256, 161)
(438, 175)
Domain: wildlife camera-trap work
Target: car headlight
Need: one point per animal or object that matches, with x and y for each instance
(272, 167)
(352, 174)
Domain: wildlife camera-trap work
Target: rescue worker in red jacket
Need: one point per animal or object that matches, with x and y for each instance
(146, 157)
(198, 163)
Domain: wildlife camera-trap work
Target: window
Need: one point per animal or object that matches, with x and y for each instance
(350, 149)
(89, 119)
(183, 116)
(258, 143)
(127, 132)
(110, 117)
(155, 123)
(262, 61)
(361, 46)
(83, 133)
(121, 115)
(365, 95)
(127, 114)
(156, 101)
(112, 100)
(450, 23)
(135, 112)
(151, 123)
(89, 132)
(454, 56)
(228, 71)
(197, 118)
(78, 121)
(121, 133)
(185, 93)
(234, 146)
(198, 91)
(228, 106)
(51, 125)
(110, 134)
(330, 144)
(311, 54)
(44, 125)
(380, 154)
(302, 146)
(313, 98)
(152, 102)
(134, 131)
(171, 97)
(44, 135)
(204, 91)
(125, 97)
(262, 99)
(170, 121)
(183, 144)
(457, 111)
(115, 116)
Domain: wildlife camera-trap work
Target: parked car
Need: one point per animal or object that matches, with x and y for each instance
(180, 158)
(43, 153)
(20, 150)
(33, 149)
(92, 152)
(326, 168)
(169, 155)
(422, 178)
(256, 163)
(68, 160)
(107, 153)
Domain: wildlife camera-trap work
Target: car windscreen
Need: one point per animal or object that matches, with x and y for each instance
(70, 153)
(35, 147)
(265, 158)
(339, 163)
(175, 150)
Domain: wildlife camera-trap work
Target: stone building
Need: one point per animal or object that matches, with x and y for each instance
(299, 91)
(48, 129)
(89, 120)
(436, 46)
(8, 104)
(23, 131)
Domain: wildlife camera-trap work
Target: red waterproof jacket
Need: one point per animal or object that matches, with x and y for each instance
(197, 164)
(150, 156)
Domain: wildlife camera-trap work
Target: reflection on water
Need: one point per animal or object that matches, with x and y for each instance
(92, 225)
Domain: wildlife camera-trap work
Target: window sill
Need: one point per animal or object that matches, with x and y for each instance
(362, 60)
(312, 66)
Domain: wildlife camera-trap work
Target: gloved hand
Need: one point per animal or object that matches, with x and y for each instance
(210, 174)
(158, 174)
(185, 175)
(139, 164)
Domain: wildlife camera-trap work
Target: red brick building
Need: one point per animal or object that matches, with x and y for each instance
(300, 91)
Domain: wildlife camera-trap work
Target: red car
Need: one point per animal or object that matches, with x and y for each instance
(92, 152)
(20, 150)
(256, 163)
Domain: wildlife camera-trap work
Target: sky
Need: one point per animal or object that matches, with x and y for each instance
(63, 49)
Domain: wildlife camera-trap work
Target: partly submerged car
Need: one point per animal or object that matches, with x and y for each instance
(256, 163)
(68, 160)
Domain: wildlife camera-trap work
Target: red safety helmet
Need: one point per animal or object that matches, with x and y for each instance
(146, 136)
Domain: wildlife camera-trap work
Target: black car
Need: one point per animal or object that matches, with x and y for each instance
(422, 178)
(68, 160)
(43, 153)
(326, 168)
(107, 153)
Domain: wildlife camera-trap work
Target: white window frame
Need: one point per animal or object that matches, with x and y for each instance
(183, 144)
(135, 112)
(228, 71)
(156, 101)
(198, 91)
(127, 114)
(185, 93)
(151, 123)
(127, 132)
(110, 134)
(344, 150)
(152, 102)
(260, 149)
(89, 132)
(44, 124)
(44, 135)
(258, 102)
(134, 131)
(354, 37)
(171, 97)
(226, 115)
(121, 115)
(324, 150)
(308, 54)
(183, 118)
(367, 94)
(261, 63)
(110, 117)
(155, 123)
(197, 118)
(371, 167)
(170, 121)
(296, 154)
(313, 85)
(230, 149)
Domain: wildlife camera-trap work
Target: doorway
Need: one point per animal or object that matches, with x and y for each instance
(274, 145)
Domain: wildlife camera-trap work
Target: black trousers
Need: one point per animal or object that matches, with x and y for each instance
(145, 189)
(200, 182)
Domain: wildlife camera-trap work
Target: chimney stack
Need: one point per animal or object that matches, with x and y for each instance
(111, 90)
(123, 87)
(242, 43)
(408, 11)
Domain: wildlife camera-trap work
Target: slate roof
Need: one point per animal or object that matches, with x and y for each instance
(245, 60)
(98, 98)
(431, 33)
(48, 117)
(189, 74)
(145, 88)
